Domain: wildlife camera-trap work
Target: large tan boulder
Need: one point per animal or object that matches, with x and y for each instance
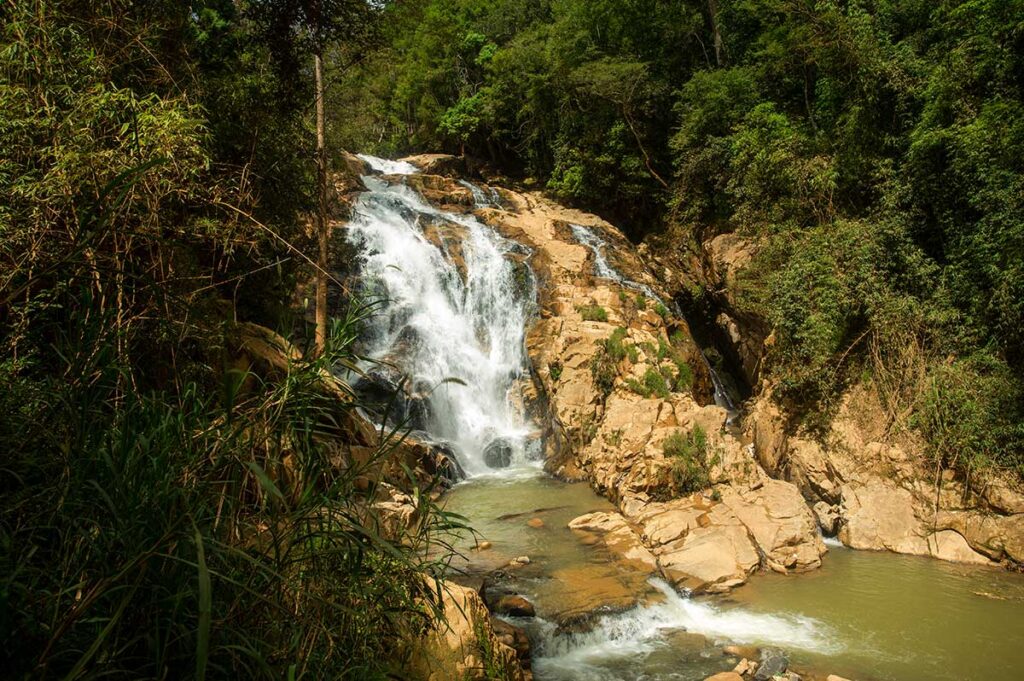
(618, 537)
(438, 164)
(463, 645)
(880, 516)
(780, 523)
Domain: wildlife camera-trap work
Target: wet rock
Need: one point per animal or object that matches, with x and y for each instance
(514, 605)
(535, 523)
(744, 667)
(616, 534)
(834, 677)
(483, 546)
(498, 453)
(453, 650)
(515, 638)
(750, 652)
(773, 663)
(521, 560)
(725, 676)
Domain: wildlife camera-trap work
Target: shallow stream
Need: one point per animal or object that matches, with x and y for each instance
(864, 615)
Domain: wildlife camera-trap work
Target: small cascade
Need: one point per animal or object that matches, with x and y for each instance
(455, 302)
(642, 630)
(482, 198)
(603, 269)
(388, 167)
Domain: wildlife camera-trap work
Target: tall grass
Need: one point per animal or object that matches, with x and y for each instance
(174, 536)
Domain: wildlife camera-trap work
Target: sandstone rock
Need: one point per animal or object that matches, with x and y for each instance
(618, 537)
(834, 677)
(453, 650)
(779, 521)
(438, 164)
(725, 676)
(827, 516)
(521, 560)
(514, 605)
(880, 516)
(515, 638)
(483, 546)
(744, 667)
(535, 523)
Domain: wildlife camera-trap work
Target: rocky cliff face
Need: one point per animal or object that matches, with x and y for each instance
(615, 376)
(873, 488)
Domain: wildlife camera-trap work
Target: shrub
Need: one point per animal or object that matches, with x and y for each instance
(661, 310)
(691, 460)
(641, 302)
(655, 383)
(555, 371)
(593, 313)
(603, 370)
(684, 376)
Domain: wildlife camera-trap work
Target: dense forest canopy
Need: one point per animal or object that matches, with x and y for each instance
(874, 149)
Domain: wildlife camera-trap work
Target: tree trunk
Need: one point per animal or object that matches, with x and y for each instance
(321, 214)
(716, 34)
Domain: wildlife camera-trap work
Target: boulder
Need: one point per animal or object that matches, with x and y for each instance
(513, 605)
(464, 645)
(619, 538)
(438, 164)
(773, 663)
(515, 638)
(498, 453)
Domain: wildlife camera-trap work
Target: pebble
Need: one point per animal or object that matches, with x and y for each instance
(536, 523)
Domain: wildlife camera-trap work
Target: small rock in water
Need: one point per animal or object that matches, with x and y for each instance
(725, 676)
(773, 663)
(515, 638)
(744, 667)
(514, 606)
(536, 523)
(483, 546)
(521, 560)
(498, 454)
(834, 677)
(749, 652)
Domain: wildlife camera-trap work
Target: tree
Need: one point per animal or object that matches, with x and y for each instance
(295, 28)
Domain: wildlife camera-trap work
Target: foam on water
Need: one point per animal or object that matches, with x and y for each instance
(642, 630)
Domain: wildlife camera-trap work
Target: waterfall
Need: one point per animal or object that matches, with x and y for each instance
(387, 167)
(455, 302)
(587, 237)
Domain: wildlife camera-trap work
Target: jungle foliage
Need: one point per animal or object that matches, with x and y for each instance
(164, 513)
(871, 148)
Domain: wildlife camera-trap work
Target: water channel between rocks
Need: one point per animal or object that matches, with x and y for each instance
(864, 615)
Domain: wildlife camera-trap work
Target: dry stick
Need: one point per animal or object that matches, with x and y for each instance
(282, 240)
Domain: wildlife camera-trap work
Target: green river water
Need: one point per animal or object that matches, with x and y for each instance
(864, 615)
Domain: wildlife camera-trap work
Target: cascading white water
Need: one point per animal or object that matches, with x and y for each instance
(642, 630)
(455, 329)
(482, 199)
(603, 269)
(388, 167)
